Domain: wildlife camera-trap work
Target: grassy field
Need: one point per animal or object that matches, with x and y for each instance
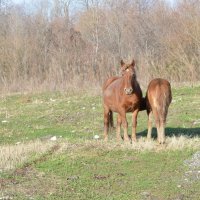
(77, 166)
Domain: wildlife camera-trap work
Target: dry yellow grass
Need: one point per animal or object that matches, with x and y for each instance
(172, 143)
(13, 155)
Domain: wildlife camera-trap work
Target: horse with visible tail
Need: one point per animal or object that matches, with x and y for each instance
(158, 99)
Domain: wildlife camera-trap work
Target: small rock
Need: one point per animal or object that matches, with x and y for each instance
(18, 143)
(179, 186)
(54, 138)
(53, 100)
(146, 194)
(4, 121)
(196, 122)
(72, 178)
(96, 137)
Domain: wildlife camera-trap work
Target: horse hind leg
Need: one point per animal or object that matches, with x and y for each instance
(161, 130)
(156, 114)
(111, 122)
(162, 133)
(149, 125)
(162, 127)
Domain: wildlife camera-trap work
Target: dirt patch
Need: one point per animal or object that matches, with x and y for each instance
(193, 174)
(6, 181)
(27, 176)
(30, 184)
(101, 177)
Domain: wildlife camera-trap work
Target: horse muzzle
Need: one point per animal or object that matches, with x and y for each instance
(128, 91)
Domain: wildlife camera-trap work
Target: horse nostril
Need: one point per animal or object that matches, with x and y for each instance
(128, 90)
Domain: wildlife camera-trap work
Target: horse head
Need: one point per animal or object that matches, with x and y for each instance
(129, 75)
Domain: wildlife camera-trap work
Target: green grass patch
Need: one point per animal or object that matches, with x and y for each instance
(117, 174)
(83, 171)
(26, 117)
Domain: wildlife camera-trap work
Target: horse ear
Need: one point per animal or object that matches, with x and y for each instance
(122, 62)
(133, 63)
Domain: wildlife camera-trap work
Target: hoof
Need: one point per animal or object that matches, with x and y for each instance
(119, 139)
(133, 141)
(148, 139)
(161, 142)
(127, 140)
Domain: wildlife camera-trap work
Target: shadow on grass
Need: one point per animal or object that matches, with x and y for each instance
(190, 132)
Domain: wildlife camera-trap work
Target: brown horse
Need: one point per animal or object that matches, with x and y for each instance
(122, 95)
(158, 99)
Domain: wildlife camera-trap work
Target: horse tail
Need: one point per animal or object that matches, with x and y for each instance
(143, 105)
(162, 102)
(110, 120)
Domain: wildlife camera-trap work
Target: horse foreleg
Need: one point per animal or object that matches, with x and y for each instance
(118, 130)
(125, 126)
(149, 125)
(106, 123)
(134, 125)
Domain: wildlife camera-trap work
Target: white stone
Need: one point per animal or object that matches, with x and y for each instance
(18, 143)
(54, 138)
(96, 137)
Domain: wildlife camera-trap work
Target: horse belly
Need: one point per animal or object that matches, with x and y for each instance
(110, 103)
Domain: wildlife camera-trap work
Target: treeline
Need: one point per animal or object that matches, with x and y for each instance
(63, 44)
